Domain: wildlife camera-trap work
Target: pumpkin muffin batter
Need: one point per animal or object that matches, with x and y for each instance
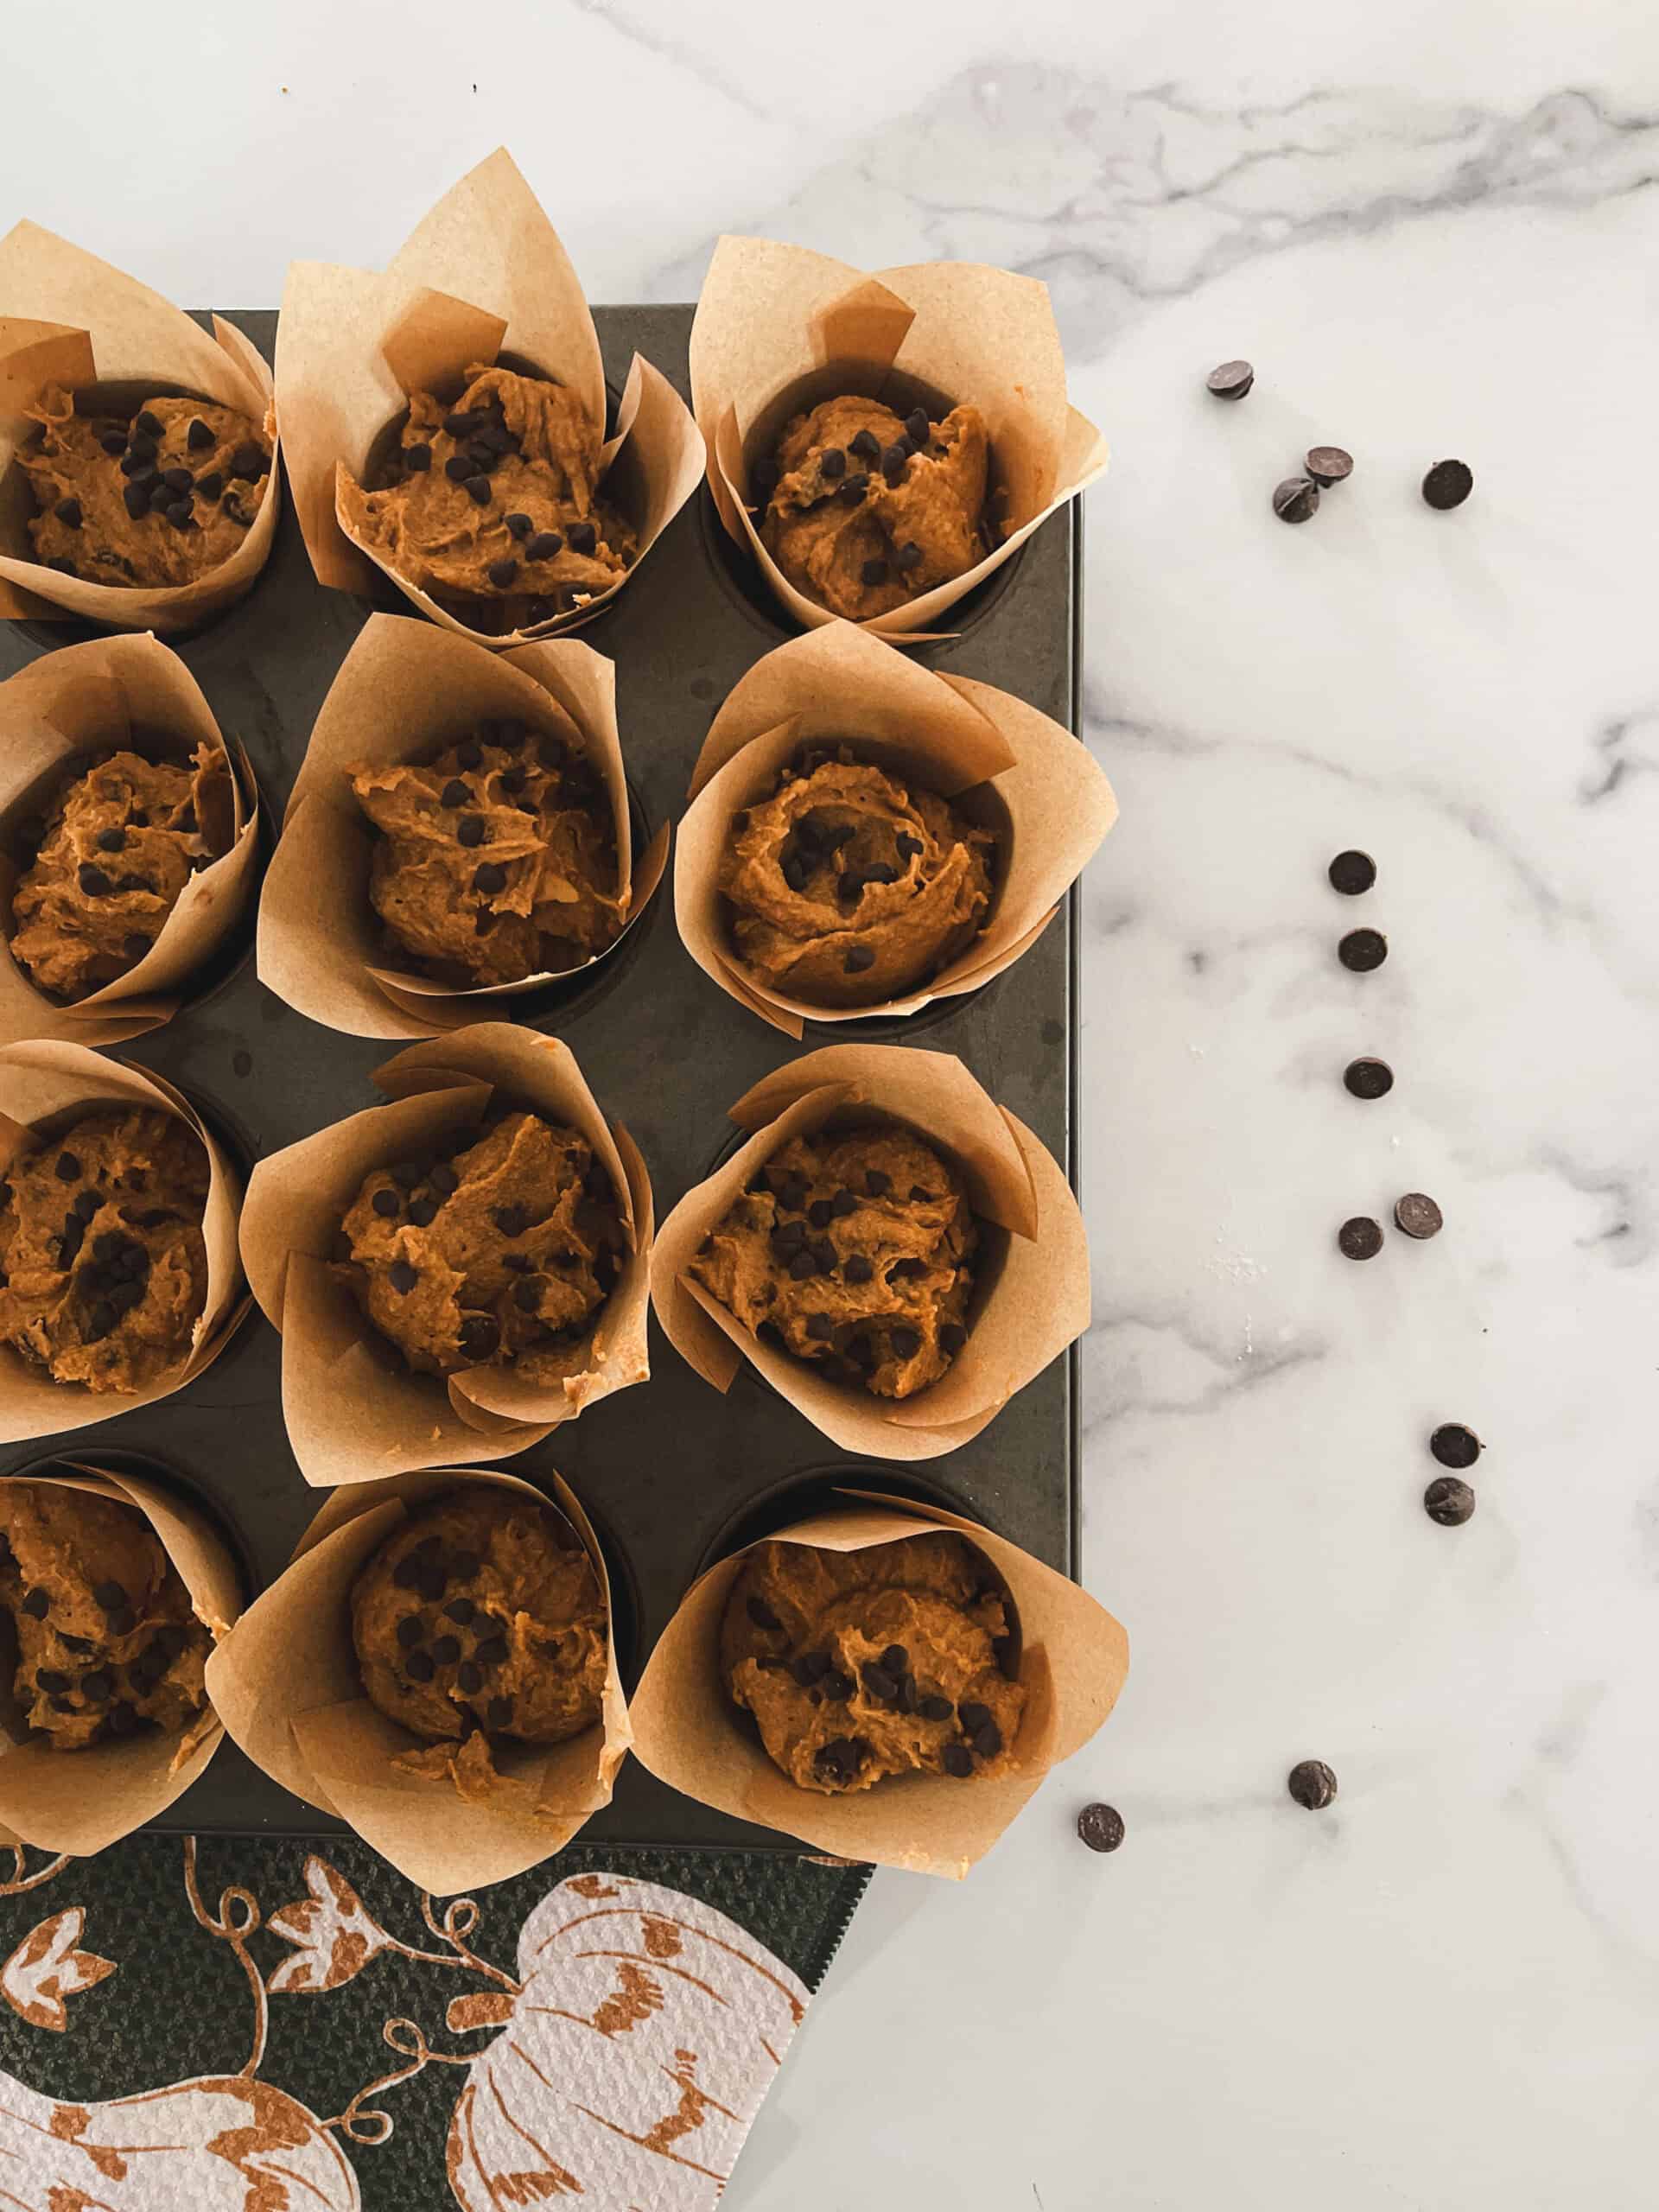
(851, 1251)
(158, 499)
(493, 507)
(850, 887)
(107, 1643)
(865, 510)
(900, 1658)
(119, 845)
(480, 1613)
(497, 860)
(103, 1268)
(500, 1255)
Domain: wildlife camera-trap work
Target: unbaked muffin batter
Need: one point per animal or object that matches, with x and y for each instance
(160, 498)
(481, 1613)
(103, 1268)
(495, 861)
(898, 1659)
(500, 1255)
(120, 843)
(869, 510)
(848, 886)
(851, 1251)
(494, 506)
(107, 1643)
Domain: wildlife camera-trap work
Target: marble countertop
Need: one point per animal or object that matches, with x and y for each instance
(1434, 231)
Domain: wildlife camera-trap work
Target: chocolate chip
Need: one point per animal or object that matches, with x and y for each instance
(122, 1720)
(893, 461)
(1231, 381)
(879, 1683)
(819, 1213)
(455, 793)
(859, 959)
(463, 1565)
(544, 546)
(478, 490)
(820, 1328)
(113, 441)
(958, 1760)
(917, 427)
(839, 1761)
(1369, 1078)
(973, 1717)
(151, 425)
(1363, 949)
(124, 1623)
(836, 1687)
(584, 536)
(1296, 500)
(470, 829)
(48, 1679)
(527, 1295)
(1328, 465)
(385, 1204)
(250, 462)
(811, 1667)
(407, 1572)
(511, 1221)
(68, 511)
(908, 556)
(492, 1652)
(501, 573)
(1359, 1238)
(431, 1581)
(851, 493)
(1448, 483)
(410, 1632)
(199, 437)
(109, 1596)
(1418, 1216)
(935, 1709)
(803, 1267)
(1352, 872)
(842, 1205)
(906, 1343)
(1448, 1500)
(444, 1180)
(787, 1238)
(35, 1602)
(86, 1206)
(873, 572)
(832, 463)
(866, 445)
(446, 1650)
(988, 1740)
(762, 1614)
(69, 1240)
(1311, 1785)
(1100, 1827)
(134, 945)
(422, 1212)
(97, 1688)
(178, 479)
(469, 1677)
(417, 459)
(136, 498)
(858, 1267)
(952, 1338)
(498, 1712)
(895, 1659)
(794, 870)
(460, 1611)
(210, 487)
(407, 1173)
(403, 1277)
(1454, 1445)
(420, 1667)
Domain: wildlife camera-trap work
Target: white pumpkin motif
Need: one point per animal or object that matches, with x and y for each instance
(629, 2067)
(227, 2144)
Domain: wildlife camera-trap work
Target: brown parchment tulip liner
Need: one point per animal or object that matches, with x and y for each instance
(405, 691)
(780, 328)
(1073, 1660)
(44, 1087)
(1011, 768)
(353, 1411)
(80, 1801)
(483, 277)
(67, 318)
(287, 1686)
(112, 695)
(1031, 1296)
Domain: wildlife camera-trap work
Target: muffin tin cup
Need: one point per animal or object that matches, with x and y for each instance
(687, 1730)
(78, 1802)
(287, 1686)
(115, 695)
(405, 693)
(1000, 763)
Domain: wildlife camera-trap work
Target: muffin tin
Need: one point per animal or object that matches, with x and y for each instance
(670, 1473)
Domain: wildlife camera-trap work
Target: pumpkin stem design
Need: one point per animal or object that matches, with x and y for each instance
(460, 1919)
(406, 2039)
(20, 1881)
(236, 1933)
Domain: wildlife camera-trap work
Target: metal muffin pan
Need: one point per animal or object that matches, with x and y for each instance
(670, 1472)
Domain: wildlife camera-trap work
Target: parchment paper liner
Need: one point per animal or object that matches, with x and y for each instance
(1073, 1659)
(87, 699)
(778, 328)
(80, 1801)
(403, 692)
(38, 1083)
(67, 318)
(287, 1687)
(354, 1410)
(483, 274)
(1031, 1296)
(1031, 781)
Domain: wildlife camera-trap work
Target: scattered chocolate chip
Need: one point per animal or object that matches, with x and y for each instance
(859, 959)
(455, 793)
(762, 1614)
(478, 490)
(1359, 1238)
(958, 1760)
(35, 1602)
(492, 1652)
(1231, 381)
(460, 1611)
(544, 545)
(1449, 1500)
(122, 1720)
(810, 1667)
(136, 498)
(409, 1630)
(407, 1173)
(527, 1295)
(952, 1338)
(422, 1212)
(866, 445)
(210, 487)
(386, 1204)
(68, 511)
(501, 573)
(917, 427)
(839, 1761)
(894, 459)
(178, 479)
(832, 463)
(820, 1328)
(1296, 500)
(935, 1709)
(879, 1683)
(444, 1180)
(803, 1267)
(858, 1267)
(403, 1277)
(511, 1221)
(431, 1582)
(1352, 872)
(1369, 1078)
(250, 462)
(1311, 1785)
(86, 1205)
(906, 1343)
(1454, 1445)
(109, 1596)
(1418, 1216)
(908, 556)
(873, 572)
(1100, 1827)
(852, 490)
(470, 830)
(895, 1659)
(988, 1740)
(819, 1213)
(973, 1717)
(1448, 483)
(417, 459)
(582, 537)
(420, 1667)
(199, 436)
(114, 441)
(446, 1650)
(151, 426)
(97, 1688)
(842, 1205)
(407, 1572)
(48, 1679)
(1363, 949)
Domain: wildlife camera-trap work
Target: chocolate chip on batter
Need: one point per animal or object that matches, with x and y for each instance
(446, 1650)
(410, 1629)
(407, 1173)
(86, 1206)
(178, 479)
(859, 957)
(893, 459)
(68, 511)
(470, 830)
(403, 1277)
(385, 1205)
(469, 1677)
(48, 1679)
(832, 463)
(431, 1581)
(199, 436)
(917, 427)
(407, 1572)
(820, 1328)
(839, 1761)
(544, 546)
(511, 1221)
(935, 1709)
(422, 1212)
(109, 1596)
(492, 1652)
(908, 556)
(811, 1668)
(460, 1609)
(444, 1180)
(803, 1267)
(98, 1687)
(122, 1720)
(478, 490)
(527, 1295)
(873, 572)
(584, 536)
(988, 1740)
(455, 793)
(93, 880)
(180, 516)
(958, 1760)
(866, 445)
(210, 487)
(420, 1667)
(879, 1683)
(1454, 1445)
(113, 441)
(501, 573)
(762, 1614)
(906, 1343)
(150, 425)
(498, 1712)
(417, 459)
(136, 498)
(35, 1602)
(858, 1267)
(1311, 1785)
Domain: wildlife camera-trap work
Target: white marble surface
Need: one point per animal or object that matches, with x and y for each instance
(1434, 229)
